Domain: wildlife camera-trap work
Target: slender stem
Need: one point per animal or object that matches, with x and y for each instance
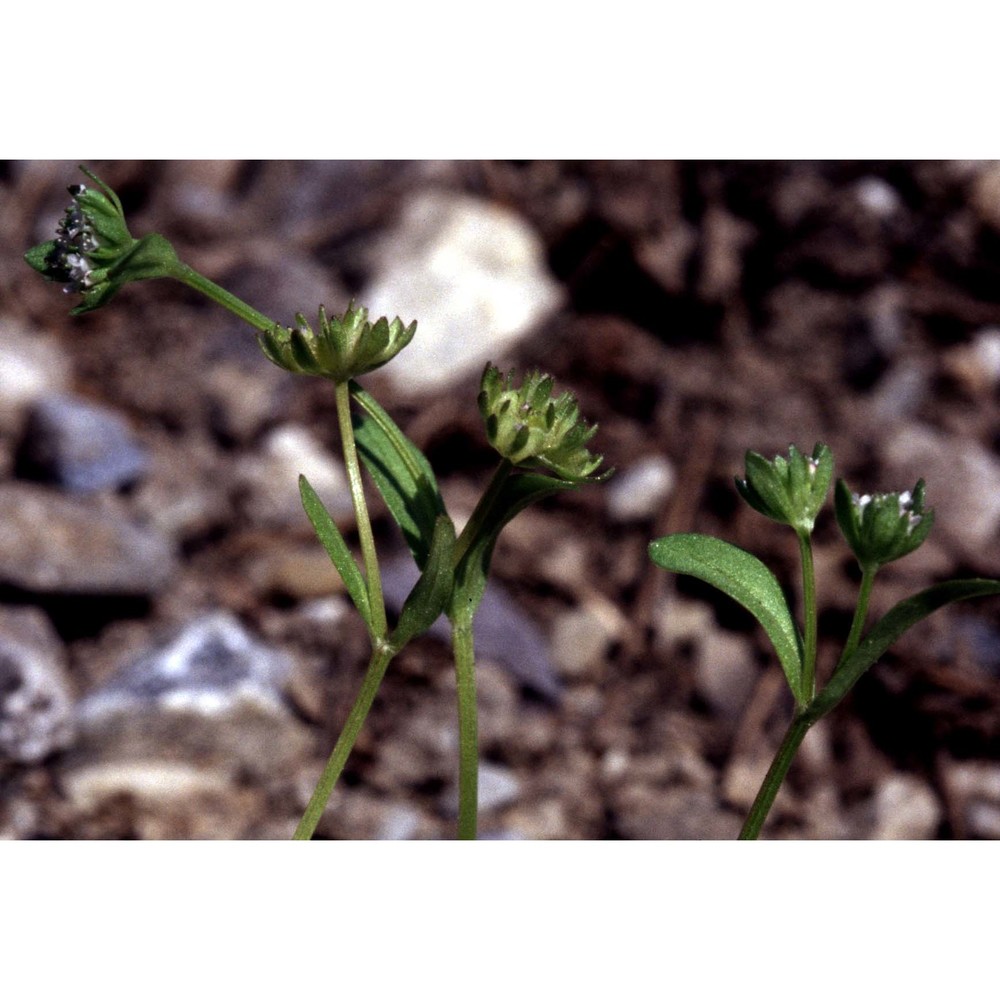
(373, 579)
(774, 778)
(860, 612)
(190, 277)
(809, 620)
(381, 655)
(486, 501)
(468, 740)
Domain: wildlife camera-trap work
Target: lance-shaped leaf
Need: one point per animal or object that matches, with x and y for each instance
(473, 566)
(431, 592)
(745, 579)
(336, 548)
(401, 473)
(887, 630)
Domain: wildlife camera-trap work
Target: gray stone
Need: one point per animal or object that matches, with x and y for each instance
(639, 492)
(271, 478)
(503, 633)
(725, 672)
(36, 702)
(963, 482)
(905, 809)
(80, 446)
(212, 665)
(31, 365)
(50, 543)
(581, 638)
(473, 276)
(210, 700)
(498, 787)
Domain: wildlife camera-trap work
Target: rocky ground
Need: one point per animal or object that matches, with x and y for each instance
(177, 655)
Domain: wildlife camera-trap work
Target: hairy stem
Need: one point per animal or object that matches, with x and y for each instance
(381, 656)
(860, 612)
(774, 778)
(809, 621)
(190, 277)
(365, 536)
(468, 739)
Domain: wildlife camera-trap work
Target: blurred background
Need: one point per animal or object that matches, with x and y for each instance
(177, 655)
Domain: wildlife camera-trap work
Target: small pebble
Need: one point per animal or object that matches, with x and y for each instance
(639, 492)
(80, 446)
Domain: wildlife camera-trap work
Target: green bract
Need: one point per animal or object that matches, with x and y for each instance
(345, 346)
(881, 527)
(790, 491)
(528, 427)
(94, 254)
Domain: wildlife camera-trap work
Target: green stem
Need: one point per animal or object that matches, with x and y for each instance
(774, 778)
(860, 612)
(809, 615)
(381, 655)
(367, 539)
(468, 739)
(190, 277)
(479, 515)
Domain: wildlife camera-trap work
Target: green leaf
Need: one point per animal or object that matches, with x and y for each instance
(333, 541)
(473, 568)
(745, 579)
(401, 473)
(431, 592)
(887, 630)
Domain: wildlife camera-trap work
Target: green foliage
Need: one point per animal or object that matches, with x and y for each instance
(745, 579)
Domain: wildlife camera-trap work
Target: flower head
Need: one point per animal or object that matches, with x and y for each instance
(790, 491)
(343, 348)
(528, 427)
(94, 254)
(882, 527)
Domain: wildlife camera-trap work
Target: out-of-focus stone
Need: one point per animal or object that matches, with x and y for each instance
(36, 702)
(963, 482)
(31, 366)
(725, 672)
(878, 196)
(473, 276)
(50, 543)
(211, 699)
(502, 631)
(977, 364)
(639, 492)
(78, 445)
(271, 478)
(498, 787)
(644, 813)
(975, 788)
(985, 194)
(581, 638)
(905, 809)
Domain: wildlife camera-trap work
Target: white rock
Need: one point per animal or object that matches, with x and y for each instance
(31, 365)
(36, 705)
(963, 482)
(272, 478)
(473, 276)
(905, 809)
(725, 672)
(581, 638)
(639, 492)
(877, 196)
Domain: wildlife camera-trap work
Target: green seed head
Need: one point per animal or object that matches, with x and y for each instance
(343, 347)
(94, 254)
(530, 428)
(790, 491)
(882, 527)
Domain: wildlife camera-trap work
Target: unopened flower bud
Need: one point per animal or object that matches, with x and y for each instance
(882, 527)
(790, 491)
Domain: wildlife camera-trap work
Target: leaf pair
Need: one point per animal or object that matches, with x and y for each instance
(745, 579)
(407, 484)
